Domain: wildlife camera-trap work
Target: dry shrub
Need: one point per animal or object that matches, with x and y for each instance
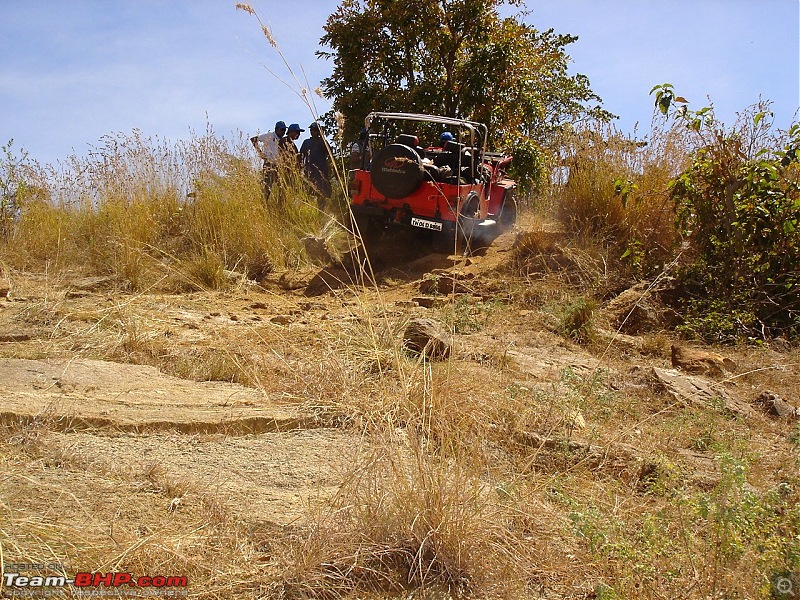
(386, 387)
(616, 192)
(407, 518)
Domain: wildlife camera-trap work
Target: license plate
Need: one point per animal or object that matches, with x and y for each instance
(433, 225)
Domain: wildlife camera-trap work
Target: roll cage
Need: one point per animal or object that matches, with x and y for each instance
(384, 127)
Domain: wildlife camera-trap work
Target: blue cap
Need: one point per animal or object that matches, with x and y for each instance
(446, 137)
(280, 125)
(294, 127)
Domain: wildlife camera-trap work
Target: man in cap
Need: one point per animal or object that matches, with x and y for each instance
(289, 151)
(314, 157)
(267, 146)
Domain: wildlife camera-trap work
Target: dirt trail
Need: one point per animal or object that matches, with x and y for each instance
(260, 448)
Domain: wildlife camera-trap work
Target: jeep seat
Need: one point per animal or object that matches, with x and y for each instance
(457, 159)
(411, 141)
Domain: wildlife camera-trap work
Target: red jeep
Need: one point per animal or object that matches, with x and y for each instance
(454, 189)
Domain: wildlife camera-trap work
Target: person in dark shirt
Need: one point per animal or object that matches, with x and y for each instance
(314, 158)
(287, 145)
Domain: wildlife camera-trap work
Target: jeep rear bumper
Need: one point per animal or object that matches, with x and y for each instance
(400, 216)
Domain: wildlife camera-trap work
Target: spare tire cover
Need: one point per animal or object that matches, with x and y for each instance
(397, 171)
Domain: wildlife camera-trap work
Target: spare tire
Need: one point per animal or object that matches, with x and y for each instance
(397, 171)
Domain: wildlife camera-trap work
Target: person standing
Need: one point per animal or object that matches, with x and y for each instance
(289, 153)
(267, 146)
(314, 157)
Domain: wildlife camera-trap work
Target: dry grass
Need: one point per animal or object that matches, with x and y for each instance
(151, 214)
(481, 476)
(156, 524)
(616, 193)
(470, 480)
(410, 519)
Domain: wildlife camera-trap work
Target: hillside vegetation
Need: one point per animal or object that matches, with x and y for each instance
(579, 439)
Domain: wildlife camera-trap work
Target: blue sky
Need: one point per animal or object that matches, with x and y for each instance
(76, 70)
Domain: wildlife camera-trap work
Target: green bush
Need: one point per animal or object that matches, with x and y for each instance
(738, 207)
(576, 320)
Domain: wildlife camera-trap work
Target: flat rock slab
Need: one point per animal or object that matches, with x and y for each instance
(690, 389)
(550, 363)
(271, 477)
(80, 393)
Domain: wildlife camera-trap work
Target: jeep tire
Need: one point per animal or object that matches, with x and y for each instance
(508, 213)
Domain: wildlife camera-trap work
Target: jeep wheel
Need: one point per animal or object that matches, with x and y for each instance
(471, 205)
(369, 229)
(508, 213)
(397, 171)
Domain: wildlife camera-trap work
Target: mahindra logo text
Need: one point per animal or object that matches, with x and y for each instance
(396, 163)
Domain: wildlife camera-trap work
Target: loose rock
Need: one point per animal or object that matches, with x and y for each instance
(428, 337)
(776, 406)
(316, 249)
(692, 360)
(443, 284)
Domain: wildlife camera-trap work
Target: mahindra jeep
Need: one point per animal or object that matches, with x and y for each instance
(450, 186)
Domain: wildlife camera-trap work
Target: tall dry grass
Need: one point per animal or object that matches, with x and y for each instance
(151, 213)
(615, 191)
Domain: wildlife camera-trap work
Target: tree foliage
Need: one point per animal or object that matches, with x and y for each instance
(456, 58)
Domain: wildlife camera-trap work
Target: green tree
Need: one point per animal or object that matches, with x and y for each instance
(457, 58)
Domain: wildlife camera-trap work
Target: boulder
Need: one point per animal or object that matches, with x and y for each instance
(428, 337)
(693, 360)
(635, 311)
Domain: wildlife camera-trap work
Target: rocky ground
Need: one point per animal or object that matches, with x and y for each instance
(135, 423)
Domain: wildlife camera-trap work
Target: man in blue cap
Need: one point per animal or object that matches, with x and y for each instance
(288, 147)
(267, 146)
